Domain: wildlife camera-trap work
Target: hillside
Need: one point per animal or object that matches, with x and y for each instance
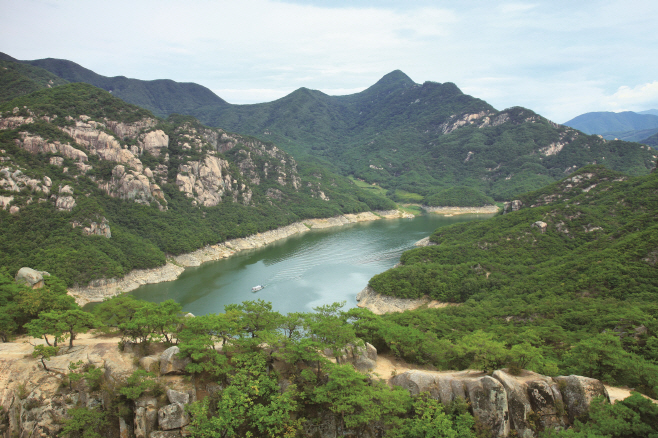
(162, 97)
(414, 140)
(570, 271)
(423, 139)
(92, 187)
(19, 79)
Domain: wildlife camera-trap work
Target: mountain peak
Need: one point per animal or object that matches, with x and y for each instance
(395, 78)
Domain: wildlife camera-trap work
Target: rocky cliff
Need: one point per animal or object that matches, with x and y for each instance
(35, 401)
(525, 404)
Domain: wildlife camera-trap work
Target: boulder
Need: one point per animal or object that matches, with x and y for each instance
(178, 397)
(170, 363)
(512, 206)
(363, 358)
(541, 225)
(31, 277)
(578, 392)
(173, 416)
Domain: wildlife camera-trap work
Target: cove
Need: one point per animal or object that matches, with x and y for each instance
(303, 271)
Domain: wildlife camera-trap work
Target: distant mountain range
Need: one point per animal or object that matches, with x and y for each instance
(415, 140)
(626, 125)
(162, 97)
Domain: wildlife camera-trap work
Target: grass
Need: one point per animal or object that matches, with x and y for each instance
(405, 196)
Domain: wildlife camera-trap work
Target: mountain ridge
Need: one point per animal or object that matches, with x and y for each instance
(417, 140)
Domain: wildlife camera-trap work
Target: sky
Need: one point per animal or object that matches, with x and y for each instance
(560, 58)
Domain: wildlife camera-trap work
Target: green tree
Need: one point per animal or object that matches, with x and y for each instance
(429, 420)
(48, 323)
(43, 353)
(84, 423)
(356, 400)
(75, 322)
(479, 350)
(251, 405)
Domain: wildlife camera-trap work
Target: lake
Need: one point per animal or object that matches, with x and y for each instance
(303, 271)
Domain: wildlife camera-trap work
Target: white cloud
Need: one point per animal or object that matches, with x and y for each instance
(638, 96)
(555, 57)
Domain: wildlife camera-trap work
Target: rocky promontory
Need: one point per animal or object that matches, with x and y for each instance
(380, 304)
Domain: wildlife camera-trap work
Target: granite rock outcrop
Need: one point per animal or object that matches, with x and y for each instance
(505, 403)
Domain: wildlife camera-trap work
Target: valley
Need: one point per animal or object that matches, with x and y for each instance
(555, 293)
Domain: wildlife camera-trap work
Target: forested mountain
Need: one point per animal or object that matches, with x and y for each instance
(17, 79)
(79, 165)
(162, 97)
(572, 272)
(414, 140)
(626, 125)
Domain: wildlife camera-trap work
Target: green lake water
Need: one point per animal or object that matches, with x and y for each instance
(300, 272)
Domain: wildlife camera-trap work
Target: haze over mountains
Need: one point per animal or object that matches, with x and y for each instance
(415, 140)
(626, 125)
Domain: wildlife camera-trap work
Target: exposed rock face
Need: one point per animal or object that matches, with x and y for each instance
(132, 185)
(518, 402)
(425, 241)
(512, 206)
(31, 277)
(205, 181)
(546, 401)
(146, 417)
(14, 180)
(36, 144)
(173, 416)
(98, 142)
(155, 141)
(363, 358)
(170, 363)
(381, 304)
(5, 201)
(65, 201)
(100, 228)
(174, 396)
(505, 402)
(489, 403)
(541, 225)
(129, 130)
(578, 392)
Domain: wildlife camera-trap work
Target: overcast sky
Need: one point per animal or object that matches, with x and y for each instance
(560, 58)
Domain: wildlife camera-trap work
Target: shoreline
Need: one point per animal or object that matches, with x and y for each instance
(98, 290)
(451, 211)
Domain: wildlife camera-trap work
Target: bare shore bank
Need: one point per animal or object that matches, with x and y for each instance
(451, 211)
(380, 304)
(99, 290)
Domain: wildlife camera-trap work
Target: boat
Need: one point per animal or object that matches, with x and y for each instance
(257, 288)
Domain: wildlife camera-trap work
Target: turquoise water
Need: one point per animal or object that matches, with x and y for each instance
(303, 271)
